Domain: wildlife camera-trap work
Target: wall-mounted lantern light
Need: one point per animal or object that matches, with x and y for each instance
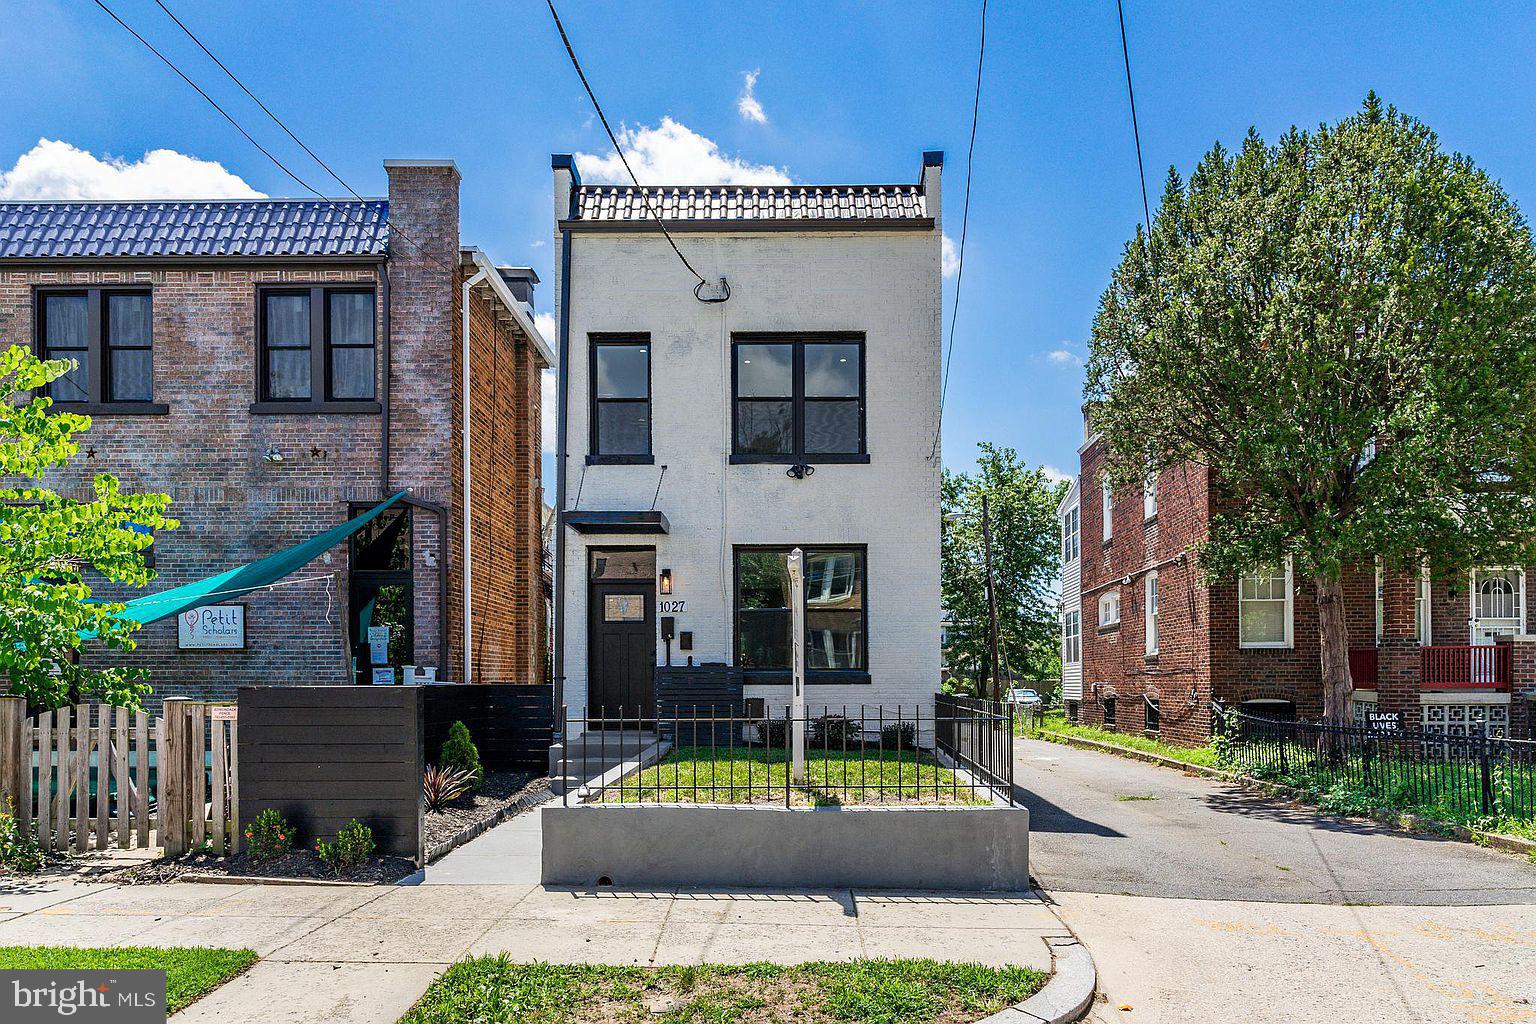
(666, 581)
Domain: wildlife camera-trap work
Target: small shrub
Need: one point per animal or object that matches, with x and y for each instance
(269, 836)
(352, 846)
(900, 736)
(459, 751)
(442, 786)
(773, 733)
(19, 852)
(831, 732)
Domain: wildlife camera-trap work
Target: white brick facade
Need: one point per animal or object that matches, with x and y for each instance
(883, 284)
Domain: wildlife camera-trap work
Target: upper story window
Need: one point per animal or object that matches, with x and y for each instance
(1109, 609)
(109, 334)
(1069, 535)
(798, 399)
(621, 399)
(1152, 610)
(317, 346)
(1107, 502)
(1264, 608)
(1149, 497)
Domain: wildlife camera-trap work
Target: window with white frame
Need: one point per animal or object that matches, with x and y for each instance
(1071, 638)
(1109, 609)
(1069, 535)
(1421, 610)
(1107, 500)
(1381, 600)
(1264, 608)
(1151, 613)
(1149, 497)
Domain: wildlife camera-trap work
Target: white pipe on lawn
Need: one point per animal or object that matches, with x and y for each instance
(464, 469)
(797, 659)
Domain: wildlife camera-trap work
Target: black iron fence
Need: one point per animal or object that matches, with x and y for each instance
(1461, 776)
(960, 753)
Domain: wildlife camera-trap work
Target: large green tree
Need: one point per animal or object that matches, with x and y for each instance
(50, 543)
(1026, 561)
(1342, 327)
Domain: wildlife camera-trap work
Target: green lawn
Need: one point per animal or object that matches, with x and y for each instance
(1057, 722)
(861, 992)
(190, 973)
(760, 775)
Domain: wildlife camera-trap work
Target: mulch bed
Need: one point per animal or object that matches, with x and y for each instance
(498, 791)
(299, 864)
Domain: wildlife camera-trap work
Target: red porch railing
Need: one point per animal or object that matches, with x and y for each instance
(1464, 667)
(1362, 667)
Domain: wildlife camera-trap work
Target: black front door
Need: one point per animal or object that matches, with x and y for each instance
(622, 646)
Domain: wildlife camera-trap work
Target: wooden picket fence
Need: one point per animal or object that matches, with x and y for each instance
(93, 776)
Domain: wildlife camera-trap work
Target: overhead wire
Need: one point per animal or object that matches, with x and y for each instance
(965, 218)
(639, 189)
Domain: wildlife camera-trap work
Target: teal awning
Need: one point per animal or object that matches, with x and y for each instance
(243, 579)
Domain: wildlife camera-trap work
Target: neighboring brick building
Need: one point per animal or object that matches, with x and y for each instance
(278, 366)
(1158, 644)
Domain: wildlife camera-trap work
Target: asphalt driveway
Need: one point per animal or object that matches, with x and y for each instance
(1104, 824)
(1200, 901)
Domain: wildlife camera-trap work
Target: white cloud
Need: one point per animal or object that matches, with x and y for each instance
(950, 257)
(1063, 357)
(548, 400)
(57, 170)
(1054, 475)
(746, 104)
(673, 154)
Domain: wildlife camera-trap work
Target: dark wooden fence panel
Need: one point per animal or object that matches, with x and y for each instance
(512, 724)
(323, 755)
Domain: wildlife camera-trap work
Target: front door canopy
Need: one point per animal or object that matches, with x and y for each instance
(646, 522)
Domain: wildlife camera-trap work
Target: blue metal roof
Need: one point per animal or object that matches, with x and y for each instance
(244, 228)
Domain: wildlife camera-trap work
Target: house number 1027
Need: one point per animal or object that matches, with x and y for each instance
(672, 607)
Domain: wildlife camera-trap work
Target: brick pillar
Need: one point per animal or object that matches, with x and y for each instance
(424, 413)
(1522, 688)
(1397, 673)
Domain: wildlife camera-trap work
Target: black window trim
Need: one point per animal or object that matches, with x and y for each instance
(633, 339)
(785, 677)
(319, 351)
(97, 356)
(798, 340)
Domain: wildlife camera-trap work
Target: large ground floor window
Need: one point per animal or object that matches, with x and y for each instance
(836, 636)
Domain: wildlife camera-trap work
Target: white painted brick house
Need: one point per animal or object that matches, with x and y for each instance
(700, 441)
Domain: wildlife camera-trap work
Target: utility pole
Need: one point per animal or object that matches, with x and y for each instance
(986, 544)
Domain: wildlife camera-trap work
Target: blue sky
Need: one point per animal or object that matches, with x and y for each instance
(848, 92)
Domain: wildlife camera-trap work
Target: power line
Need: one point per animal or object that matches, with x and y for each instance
(646, 199)
(1130, 92)
(250, 138)
(965, 219)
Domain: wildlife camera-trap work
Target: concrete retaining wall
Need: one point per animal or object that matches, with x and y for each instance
(635, 846)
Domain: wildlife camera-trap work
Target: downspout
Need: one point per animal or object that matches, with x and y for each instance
(384, 490)
(464, 468)
(563, 403)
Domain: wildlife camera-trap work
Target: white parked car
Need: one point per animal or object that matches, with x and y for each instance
(1023, 695)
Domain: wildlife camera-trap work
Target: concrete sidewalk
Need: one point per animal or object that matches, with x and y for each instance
(364, 954)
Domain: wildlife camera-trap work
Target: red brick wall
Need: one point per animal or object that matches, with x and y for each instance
(235, 507)
(1117, 658)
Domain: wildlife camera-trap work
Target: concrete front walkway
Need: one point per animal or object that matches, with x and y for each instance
(364, 954)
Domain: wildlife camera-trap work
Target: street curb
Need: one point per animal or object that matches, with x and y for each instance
(1066, 997)
(1400, 821)
(205, 879)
